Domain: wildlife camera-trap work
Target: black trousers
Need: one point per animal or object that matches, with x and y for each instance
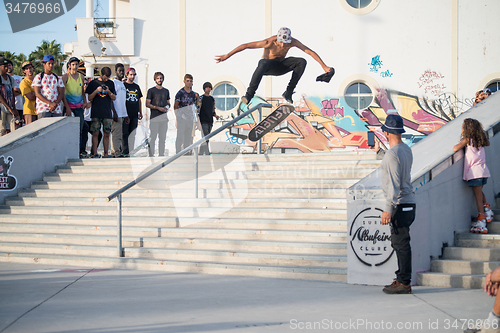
(277, 67)
(207, 128)
(402, 218)
(128, 131)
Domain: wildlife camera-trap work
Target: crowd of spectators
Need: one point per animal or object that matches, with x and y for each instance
(109, 109)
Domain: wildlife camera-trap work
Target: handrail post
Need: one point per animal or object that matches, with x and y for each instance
(195, 150)
(119, 240)
(259, 144)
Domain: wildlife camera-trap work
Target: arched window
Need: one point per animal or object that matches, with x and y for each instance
(494, 86)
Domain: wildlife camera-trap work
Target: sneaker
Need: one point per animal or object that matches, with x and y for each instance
(397, 288)
(96, 156)
(488, 212)
(394, 281)
(288, 97)
(480, 228)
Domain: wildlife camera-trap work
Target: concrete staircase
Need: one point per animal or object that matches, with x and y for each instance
(466, 264)
(257, 215)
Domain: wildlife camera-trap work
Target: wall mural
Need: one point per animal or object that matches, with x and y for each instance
(323, 124)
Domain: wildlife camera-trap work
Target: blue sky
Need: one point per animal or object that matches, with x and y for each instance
(62, 29)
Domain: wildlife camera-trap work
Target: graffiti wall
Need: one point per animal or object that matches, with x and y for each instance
(323, 124)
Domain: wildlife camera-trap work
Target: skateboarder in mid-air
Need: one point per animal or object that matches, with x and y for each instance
(274, 63)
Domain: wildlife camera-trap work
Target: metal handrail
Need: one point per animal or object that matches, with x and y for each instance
(118, 194)
(185, 150)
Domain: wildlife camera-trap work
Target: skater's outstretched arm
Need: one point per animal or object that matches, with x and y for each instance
(252, 45)
(313, 54)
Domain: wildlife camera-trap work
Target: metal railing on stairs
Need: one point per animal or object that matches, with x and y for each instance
(118, 194)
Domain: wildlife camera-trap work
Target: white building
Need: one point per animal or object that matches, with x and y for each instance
(424, 58)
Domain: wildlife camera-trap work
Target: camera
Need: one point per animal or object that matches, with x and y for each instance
(104, 87)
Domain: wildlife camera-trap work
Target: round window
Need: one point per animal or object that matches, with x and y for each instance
(358, 3)
(226, 97)
(358, 96)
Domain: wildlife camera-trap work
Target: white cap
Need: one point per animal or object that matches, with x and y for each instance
(284, 35)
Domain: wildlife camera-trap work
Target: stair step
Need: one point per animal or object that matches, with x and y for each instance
(239, 257)
(471, 253)
(303, 247)
(161, 202)
(110, 231)
(201, 213)
(463, 266)
(444, 280)
(178, 176)
(468, 239)
(290, 168)
(173, 222)
(246, 158)
(293, 272)
(186, 193)
(276, 186)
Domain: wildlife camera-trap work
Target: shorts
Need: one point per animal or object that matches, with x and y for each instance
(478, 182)
(96, 125)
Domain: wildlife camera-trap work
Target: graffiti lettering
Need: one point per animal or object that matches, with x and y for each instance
(451, 105)
(330, 108)
(429, 77)
(386, 74)
(233, 139)
(375, 64)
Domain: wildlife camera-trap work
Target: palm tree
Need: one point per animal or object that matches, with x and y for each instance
(17, 60)
(52, 48)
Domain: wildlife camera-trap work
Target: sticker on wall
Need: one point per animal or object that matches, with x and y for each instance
(7, 182)
(369, 239)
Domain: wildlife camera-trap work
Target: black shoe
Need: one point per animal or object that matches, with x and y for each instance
(397, 288)
(288, 97)
(326, 77)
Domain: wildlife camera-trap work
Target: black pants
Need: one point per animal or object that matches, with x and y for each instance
(207, 128)
(128, 131)
(401, 220)
(277, 67)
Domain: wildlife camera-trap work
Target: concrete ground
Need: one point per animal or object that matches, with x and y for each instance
(36, 298)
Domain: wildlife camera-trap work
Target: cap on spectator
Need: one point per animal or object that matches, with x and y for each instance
(72, 59)
(393, 124)
(130, 69)
(26, 63)
(48, 58)
(487, 90)
(284, 35)
(9, 62)
(3, 61)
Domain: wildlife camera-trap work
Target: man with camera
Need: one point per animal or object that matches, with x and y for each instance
(101, 92)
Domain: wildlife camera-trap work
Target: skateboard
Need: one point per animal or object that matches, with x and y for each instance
(270, 122)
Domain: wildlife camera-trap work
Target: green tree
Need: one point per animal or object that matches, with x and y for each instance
(45, 48)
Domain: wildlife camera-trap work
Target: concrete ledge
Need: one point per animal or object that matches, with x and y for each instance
(35, 149)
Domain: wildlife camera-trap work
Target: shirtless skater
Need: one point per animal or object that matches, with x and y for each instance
(274, 63)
